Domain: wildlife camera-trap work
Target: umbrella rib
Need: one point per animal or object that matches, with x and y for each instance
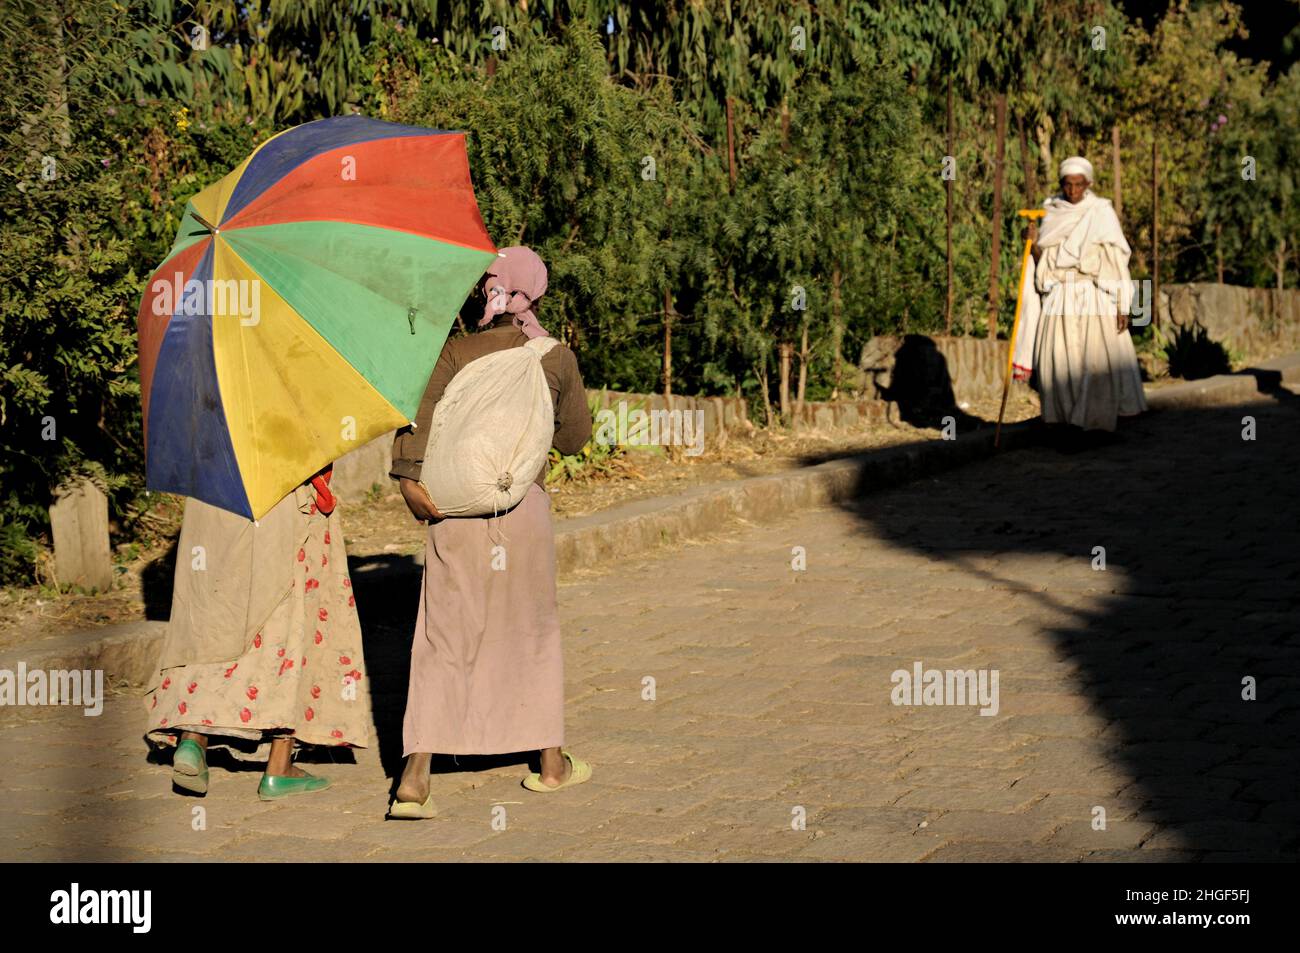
(204, 222)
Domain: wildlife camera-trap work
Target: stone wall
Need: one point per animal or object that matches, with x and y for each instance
(830, 415)
(721, 414)
(357, 472)
(970, 363)
(974, 366)
(731, 414)
(1254, 324)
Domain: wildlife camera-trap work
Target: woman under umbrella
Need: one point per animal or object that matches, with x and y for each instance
(263, 649)
(288, 325)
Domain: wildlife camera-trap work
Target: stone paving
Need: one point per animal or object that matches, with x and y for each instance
(736, 708)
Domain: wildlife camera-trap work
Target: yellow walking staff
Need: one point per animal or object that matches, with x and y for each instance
(1033, 214)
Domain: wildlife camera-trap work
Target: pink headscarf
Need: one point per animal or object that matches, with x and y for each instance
(522, 277)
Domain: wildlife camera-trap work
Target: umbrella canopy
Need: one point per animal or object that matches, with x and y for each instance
(303, 305)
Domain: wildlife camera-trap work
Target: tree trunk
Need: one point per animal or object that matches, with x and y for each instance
(786, 352)
(1155, 226)
(837, 330)
(668, 343)
(53, 134)
(763, 385)
(1119, 181)
(1281, 268)
(731, 145)
(1045, 147)
(1218, 250)
(804, 355)
(1027, 160)
(1000, 114)
(952, 151)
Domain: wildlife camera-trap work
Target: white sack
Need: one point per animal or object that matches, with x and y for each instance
(490, 432)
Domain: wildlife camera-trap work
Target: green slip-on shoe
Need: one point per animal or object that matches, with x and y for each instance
(190, 767)
(275, 787)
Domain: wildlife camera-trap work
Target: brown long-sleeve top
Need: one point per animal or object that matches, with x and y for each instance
(572, 415)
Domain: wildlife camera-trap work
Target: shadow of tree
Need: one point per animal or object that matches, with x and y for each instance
(921, 387)
(1201, 532)
(1192, 355)
(156, 585)
(387, 588)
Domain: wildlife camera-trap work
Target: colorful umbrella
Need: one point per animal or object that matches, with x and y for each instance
(303, 305)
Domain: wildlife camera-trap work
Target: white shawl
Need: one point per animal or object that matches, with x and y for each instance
(1088, 240)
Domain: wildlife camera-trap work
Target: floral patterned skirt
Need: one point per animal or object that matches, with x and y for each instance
(302, 674)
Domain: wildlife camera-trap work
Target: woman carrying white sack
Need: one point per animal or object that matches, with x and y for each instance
(487, 668)
(1075, 307)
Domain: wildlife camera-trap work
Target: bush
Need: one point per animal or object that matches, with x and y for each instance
(92, 198)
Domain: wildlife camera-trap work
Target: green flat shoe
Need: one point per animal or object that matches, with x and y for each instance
(412, 810)
(275, 787)
(190, 767)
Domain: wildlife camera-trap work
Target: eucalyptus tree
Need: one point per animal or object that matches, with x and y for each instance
(942, 44)
(1276, 204)
(557, 152)
(1186, 75)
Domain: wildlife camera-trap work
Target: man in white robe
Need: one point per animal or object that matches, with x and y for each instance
(1074, 321)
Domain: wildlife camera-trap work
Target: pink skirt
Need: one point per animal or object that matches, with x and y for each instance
(487, 667)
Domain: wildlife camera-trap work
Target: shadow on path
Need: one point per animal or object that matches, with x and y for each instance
(1201, 531)
(388, 593)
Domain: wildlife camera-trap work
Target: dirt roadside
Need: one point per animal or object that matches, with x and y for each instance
(382, 524)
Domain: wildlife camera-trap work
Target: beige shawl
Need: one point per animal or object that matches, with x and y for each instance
(1083, 268)
(231, 573)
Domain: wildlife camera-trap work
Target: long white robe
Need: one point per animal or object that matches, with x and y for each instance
(1087, 371)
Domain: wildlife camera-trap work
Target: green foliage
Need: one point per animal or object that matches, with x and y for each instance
(1188, 77)
(18, 551)
(93, 185)
(608, 152)
(596, 458)
(557, 152)
(67, 401)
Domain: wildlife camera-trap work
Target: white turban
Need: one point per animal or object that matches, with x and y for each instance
(1076, 165)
